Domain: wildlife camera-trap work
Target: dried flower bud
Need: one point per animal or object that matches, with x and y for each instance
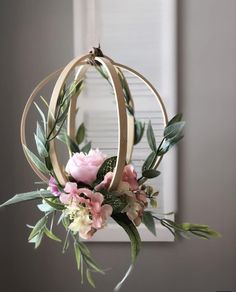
(149, 190)
(155, 194)
(142, 187)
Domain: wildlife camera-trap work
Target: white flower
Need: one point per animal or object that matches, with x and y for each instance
(82, 223)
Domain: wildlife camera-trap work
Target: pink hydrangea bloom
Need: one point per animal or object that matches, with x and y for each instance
(86, 208)
(84, 167)
(137, 202)
(129, 176)
(99, 212)
(71, 194)
(53, 186)
(104, 185)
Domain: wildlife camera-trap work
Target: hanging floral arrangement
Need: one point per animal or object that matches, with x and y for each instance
(93, 187)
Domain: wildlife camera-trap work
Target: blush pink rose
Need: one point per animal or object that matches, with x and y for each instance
(84, 167)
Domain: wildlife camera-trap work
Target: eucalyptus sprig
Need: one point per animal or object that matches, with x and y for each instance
(187, 229)
(173, 133)
(42, 138)
(139, 127)
(84, 261)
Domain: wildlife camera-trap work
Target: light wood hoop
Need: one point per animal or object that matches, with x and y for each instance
(121, 114)
(71, 125)
(125, 120)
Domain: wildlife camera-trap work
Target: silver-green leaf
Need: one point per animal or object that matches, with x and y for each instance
(38, 227)
(150, 173)
(27, 197)
(151, 137)
(36, 161)
(80, 135)
(51, 235)
(40, 147)
(149, 222)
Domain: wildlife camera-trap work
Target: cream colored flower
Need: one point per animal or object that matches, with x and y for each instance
(82, 223)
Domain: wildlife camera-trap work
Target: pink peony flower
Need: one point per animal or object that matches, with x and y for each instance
(129, 176)
(84, 167)
(53, 186)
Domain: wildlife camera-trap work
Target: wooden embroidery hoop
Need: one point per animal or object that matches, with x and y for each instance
(125, 120)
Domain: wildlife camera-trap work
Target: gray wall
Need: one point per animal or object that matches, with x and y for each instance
(36, 38)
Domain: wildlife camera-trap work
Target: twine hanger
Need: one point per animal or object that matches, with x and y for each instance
(92, 35)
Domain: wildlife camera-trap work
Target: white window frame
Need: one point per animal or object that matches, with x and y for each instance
(85, 28)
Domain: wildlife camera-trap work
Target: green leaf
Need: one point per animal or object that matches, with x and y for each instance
(35, 160)
(89, 278)
(45, 208)
(174, 130)
(175, 119)
(149, 161)
(150, 173)
(42, 116)
(58, 127)
(74, 148)
(107, 166)
(80, 135)
(123, 220)
(61, 95)
(153, 203)
(62, 136)
(118, 203)
(102, 72)
(149, 222)
(84, 249)
(74, 88)
(44, 101)
(54, 203)
(126, 91)
(38, 227)
(72, 145)
(51, 235)
(86, 147)
(168, 144)
(125, 86)
(37, 239)
(27, 197)
(90, 262)
(65, 222)
(66, 243)
(151, 137)
(77, 254)
(48, 163)
(40, 133)
(40, 147)
(139, 128)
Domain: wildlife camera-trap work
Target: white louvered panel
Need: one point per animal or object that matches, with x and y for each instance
(141, 35)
